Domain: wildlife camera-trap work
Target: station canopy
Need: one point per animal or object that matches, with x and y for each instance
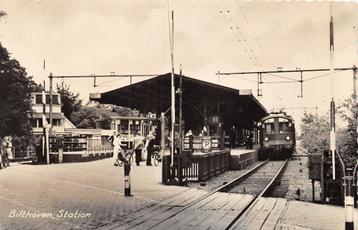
(200, 100)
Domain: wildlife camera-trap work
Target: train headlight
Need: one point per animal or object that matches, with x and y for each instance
(288, 138)
(266, 138)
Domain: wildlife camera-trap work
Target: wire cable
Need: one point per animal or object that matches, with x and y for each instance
(282, 77)
(323, 75)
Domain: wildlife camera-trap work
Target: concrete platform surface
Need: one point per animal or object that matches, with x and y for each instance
(95, 188)
(89, 195)
(242, 151)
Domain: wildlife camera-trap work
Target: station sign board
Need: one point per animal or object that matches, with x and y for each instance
(206, 144)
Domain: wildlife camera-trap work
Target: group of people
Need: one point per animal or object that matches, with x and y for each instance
(142, 146)
(5, 152)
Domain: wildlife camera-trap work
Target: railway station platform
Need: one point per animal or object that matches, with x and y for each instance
(38, 196)
(240, 158)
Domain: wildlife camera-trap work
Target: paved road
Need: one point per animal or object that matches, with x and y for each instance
(75, 195)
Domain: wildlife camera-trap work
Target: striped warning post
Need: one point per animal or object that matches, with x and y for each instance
(349, 200)
(127, 179)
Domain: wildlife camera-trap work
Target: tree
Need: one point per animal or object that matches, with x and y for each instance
(70, 101)
(89, 117)
(315, 132)
(15, 94)
(125, 111)
(346, 138)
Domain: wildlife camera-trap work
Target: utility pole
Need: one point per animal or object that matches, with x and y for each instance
(51, 103)
(332, 134)
(180, 91)
(172, 96)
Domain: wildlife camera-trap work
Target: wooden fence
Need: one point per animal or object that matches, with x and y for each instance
(197, 167)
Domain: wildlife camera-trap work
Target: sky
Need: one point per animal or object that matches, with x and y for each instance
(80, 37)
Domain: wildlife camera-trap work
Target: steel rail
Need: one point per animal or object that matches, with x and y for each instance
(255, 199)
(234, 182)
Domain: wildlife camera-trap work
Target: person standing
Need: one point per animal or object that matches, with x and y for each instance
(9, 147)
(111, 138)
(138, 147)
(38, 149)
(150, 147)
(118, 152)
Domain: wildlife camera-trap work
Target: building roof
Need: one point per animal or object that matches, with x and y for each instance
(154, 95)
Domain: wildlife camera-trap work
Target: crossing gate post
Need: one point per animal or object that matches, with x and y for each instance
(127, 180)
(349, 201)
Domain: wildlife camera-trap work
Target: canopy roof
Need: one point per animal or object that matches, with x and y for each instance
(199, 98)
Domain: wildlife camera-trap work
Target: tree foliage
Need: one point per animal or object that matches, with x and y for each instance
(346, 138)
(70, 101)
(125, 111)
(315, 132)
(15, 94)
(90, 117)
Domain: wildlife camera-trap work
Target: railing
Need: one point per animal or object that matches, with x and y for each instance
(197, 167)
(18, 153)
(74, 149)
(78, 144)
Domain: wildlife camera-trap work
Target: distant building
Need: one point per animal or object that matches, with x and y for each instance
(59, 121)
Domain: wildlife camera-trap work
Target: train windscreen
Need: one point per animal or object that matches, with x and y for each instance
(277, 125)
(284, 125)
(269, 126)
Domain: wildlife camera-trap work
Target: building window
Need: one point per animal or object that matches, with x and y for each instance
(34, 123)
(38, 99)
(56, 122)
(54, 99)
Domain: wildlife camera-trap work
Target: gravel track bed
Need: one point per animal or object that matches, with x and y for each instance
(218, 181)
(294, 178)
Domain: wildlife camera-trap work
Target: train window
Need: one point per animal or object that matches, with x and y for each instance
(270, 128)
(281, 119)
(283, 127)
(270, 120)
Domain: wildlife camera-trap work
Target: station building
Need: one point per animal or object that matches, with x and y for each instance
(60, 122)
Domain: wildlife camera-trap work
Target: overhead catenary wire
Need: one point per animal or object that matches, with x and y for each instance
(250, 49)
(269, 60)
(282, 77)
(237, 35)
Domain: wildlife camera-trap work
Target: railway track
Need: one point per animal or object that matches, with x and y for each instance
(258, 182)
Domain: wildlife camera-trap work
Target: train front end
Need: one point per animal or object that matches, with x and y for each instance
(277, 137)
